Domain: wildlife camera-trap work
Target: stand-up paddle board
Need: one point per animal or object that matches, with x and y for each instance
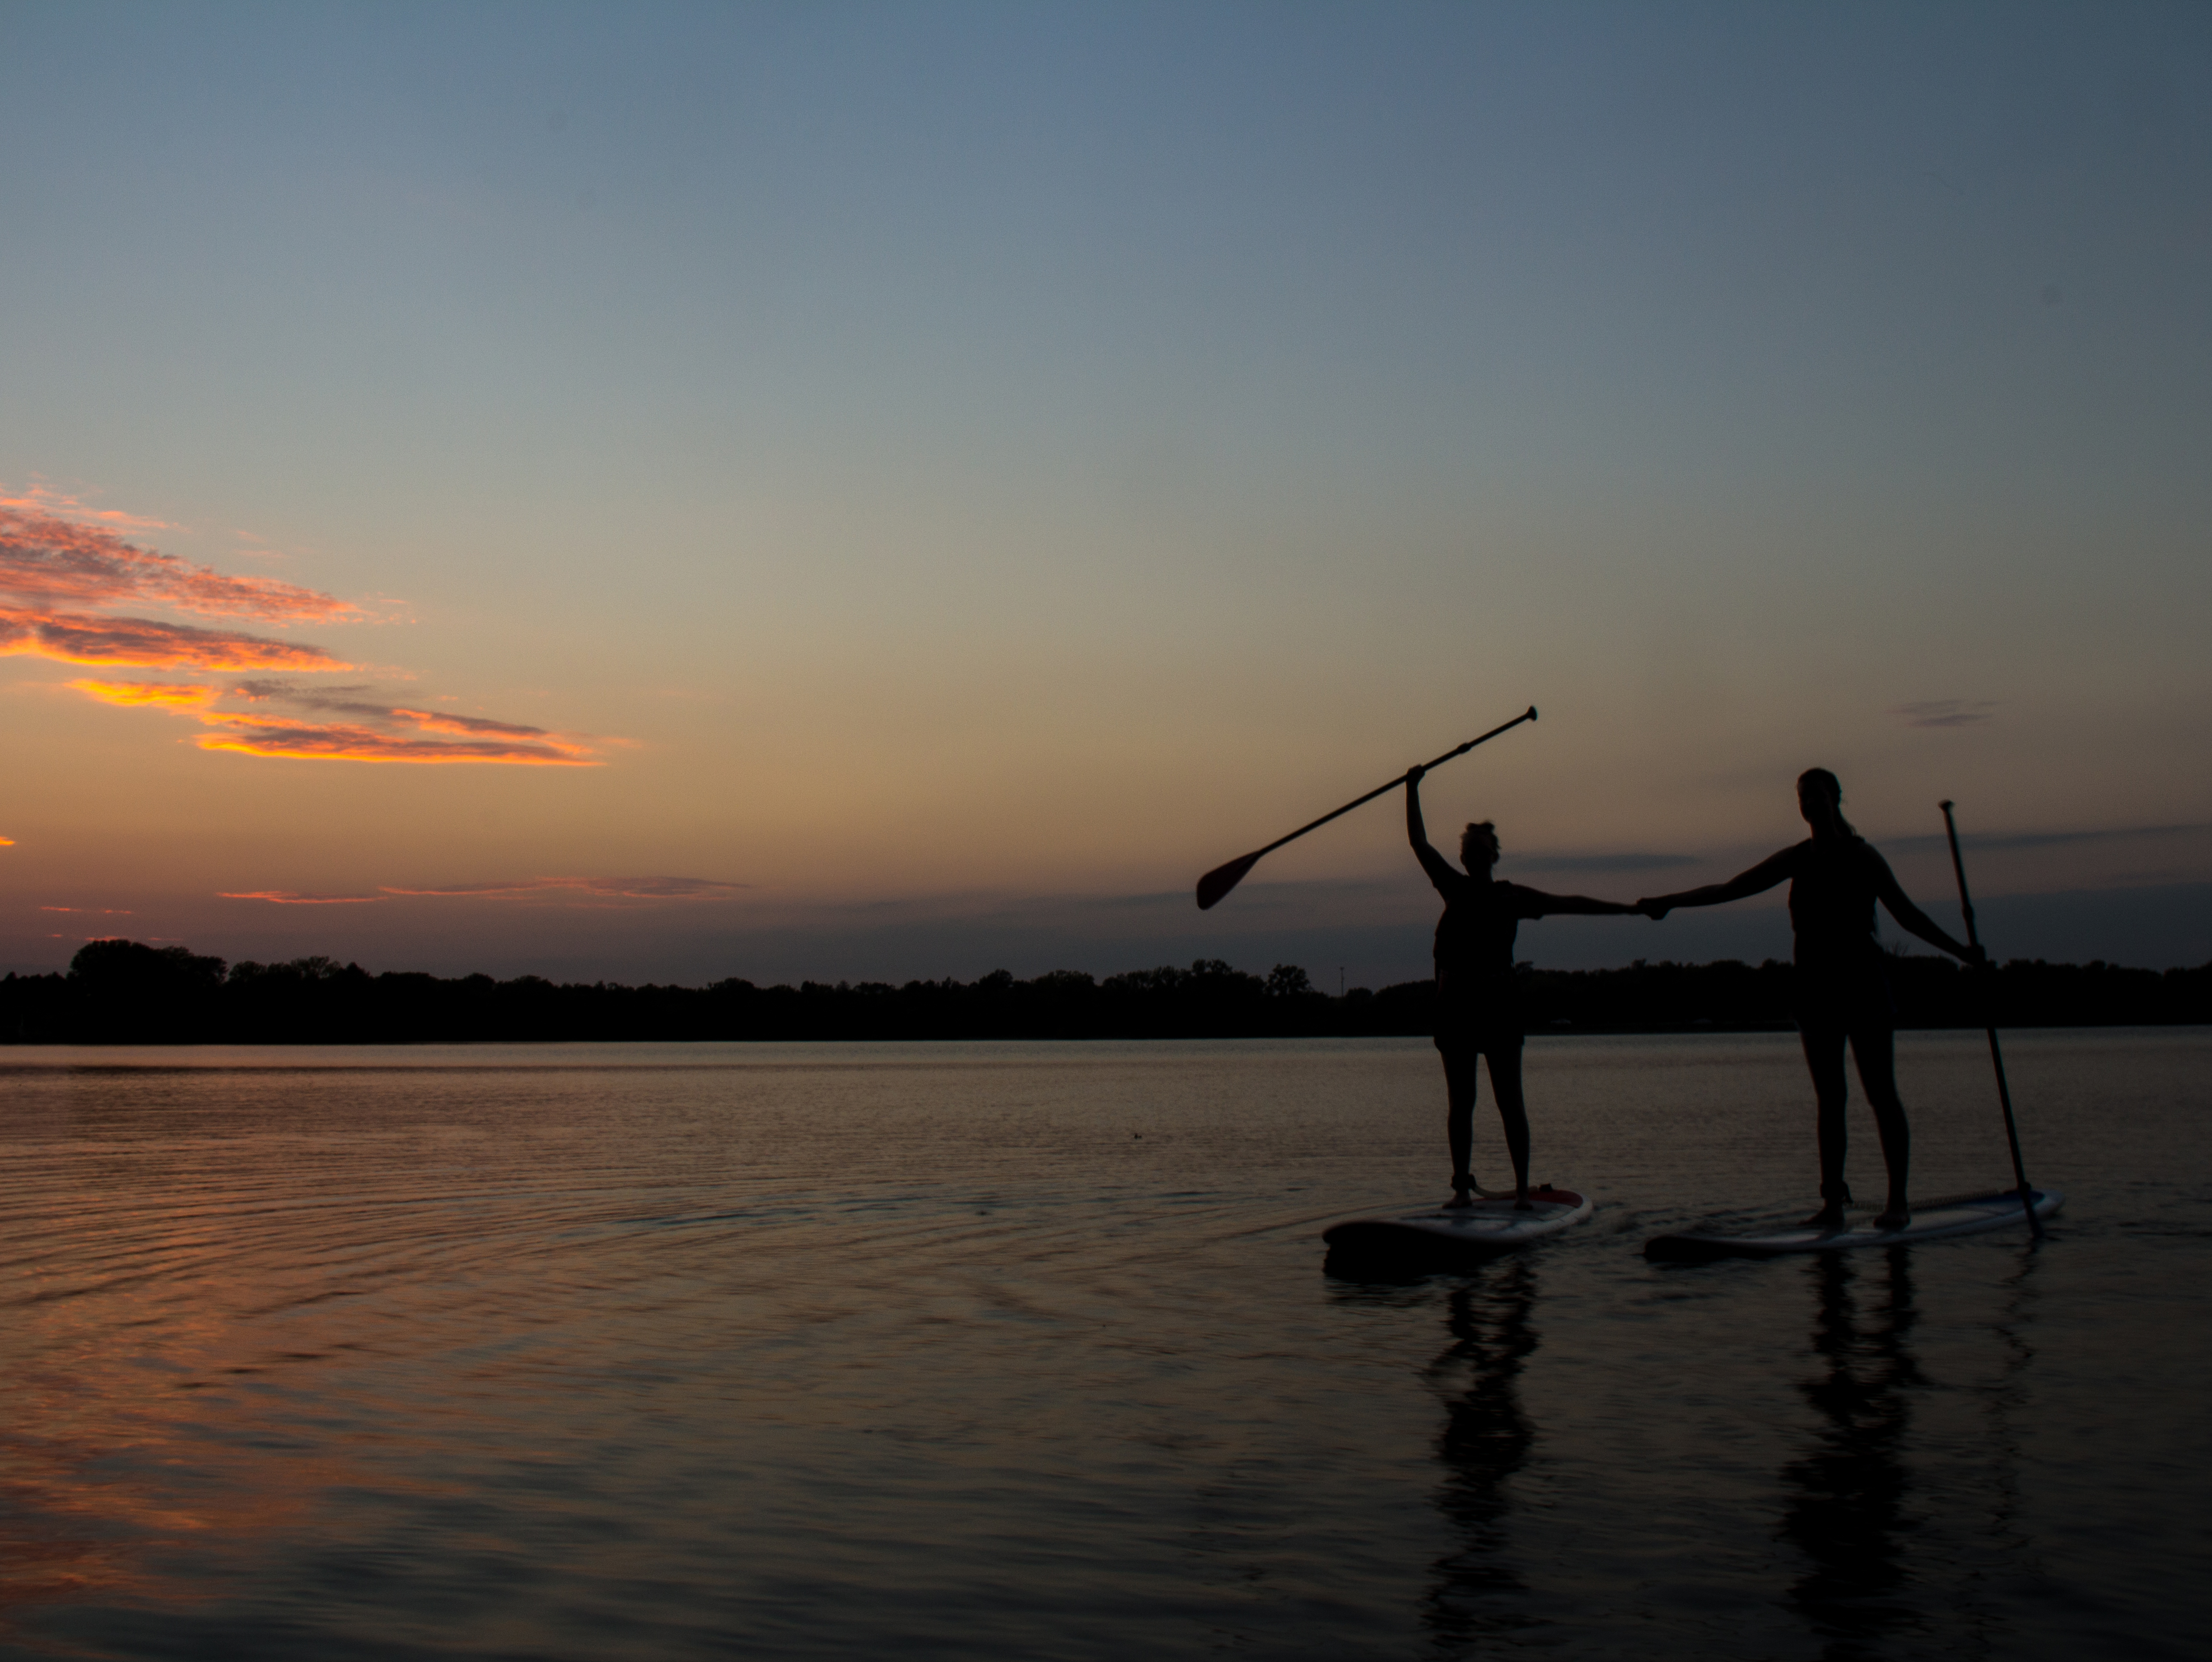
(1932, 1221)
(1458, 1234)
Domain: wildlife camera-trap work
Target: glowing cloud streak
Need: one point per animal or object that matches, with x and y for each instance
(50, 559)
(286, 898)
(624, 888)
(1945, 712)
(340, 741)
(141, 643)
(586, 890)
(156, 695)
(432, 721)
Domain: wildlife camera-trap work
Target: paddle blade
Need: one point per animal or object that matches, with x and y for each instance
(1222, 879)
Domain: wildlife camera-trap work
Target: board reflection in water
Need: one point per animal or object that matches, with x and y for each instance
(1870, 1524)
(1851, 1511)
(1486, 1437)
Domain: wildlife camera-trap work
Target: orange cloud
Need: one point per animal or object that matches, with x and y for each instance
(46, 558)
(141, 644)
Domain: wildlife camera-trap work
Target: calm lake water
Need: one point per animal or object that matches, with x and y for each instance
(1027, 1351)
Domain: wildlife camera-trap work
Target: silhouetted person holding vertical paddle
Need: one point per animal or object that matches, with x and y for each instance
(1843, 992)
(1478, 1004)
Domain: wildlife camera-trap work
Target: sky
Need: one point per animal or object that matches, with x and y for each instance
(870, 491)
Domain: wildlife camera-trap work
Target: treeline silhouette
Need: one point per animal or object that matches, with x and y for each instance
(123, 992)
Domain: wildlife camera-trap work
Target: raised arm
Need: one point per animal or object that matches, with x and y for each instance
(1760, 879)
(1912, 918)
(1438, 868)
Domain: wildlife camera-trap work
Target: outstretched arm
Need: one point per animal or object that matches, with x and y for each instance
(1760, 879)
(1554, 904)
(1438, 868)
(1912, 918)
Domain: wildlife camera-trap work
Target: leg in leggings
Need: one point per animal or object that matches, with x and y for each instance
(1459, 1112)
(1824, 1055)
(1505, 1086)
(1873, 1047)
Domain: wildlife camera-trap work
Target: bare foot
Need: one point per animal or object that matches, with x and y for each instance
(1830, 1216)
(1522, 1204)
(1895, 1215)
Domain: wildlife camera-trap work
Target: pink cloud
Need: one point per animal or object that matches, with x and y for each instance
(49, 559)
(40, 500)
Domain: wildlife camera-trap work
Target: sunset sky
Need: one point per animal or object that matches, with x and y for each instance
(871, 491)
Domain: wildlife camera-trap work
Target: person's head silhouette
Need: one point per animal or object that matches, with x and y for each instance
(1820, 800)
(1478, 847)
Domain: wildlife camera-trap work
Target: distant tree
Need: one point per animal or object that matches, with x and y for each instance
(125, 992)
(128, 992)
(1065, 981)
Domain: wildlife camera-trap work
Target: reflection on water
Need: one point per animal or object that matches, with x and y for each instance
(1019, 1351)
(2005, 1404)
(1486, 1437)
(1852, 1509)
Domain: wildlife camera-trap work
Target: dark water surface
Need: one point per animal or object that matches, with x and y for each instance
(1026, 1350)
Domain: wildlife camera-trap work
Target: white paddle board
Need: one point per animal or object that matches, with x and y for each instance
(1932, 1221)
(1458, 1234)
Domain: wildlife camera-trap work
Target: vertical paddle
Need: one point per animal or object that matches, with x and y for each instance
(1996, 1056)
(1222, 879)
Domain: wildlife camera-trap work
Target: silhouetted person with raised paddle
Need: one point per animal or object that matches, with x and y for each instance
(1835, 876)
(1478, 1003)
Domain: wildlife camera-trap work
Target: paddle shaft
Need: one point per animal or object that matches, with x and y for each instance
(1528, 715)
(1996, 1056)
(1217, 883)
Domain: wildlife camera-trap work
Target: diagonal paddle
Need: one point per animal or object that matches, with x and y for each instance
(1222, 879)
(2004, 1094)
